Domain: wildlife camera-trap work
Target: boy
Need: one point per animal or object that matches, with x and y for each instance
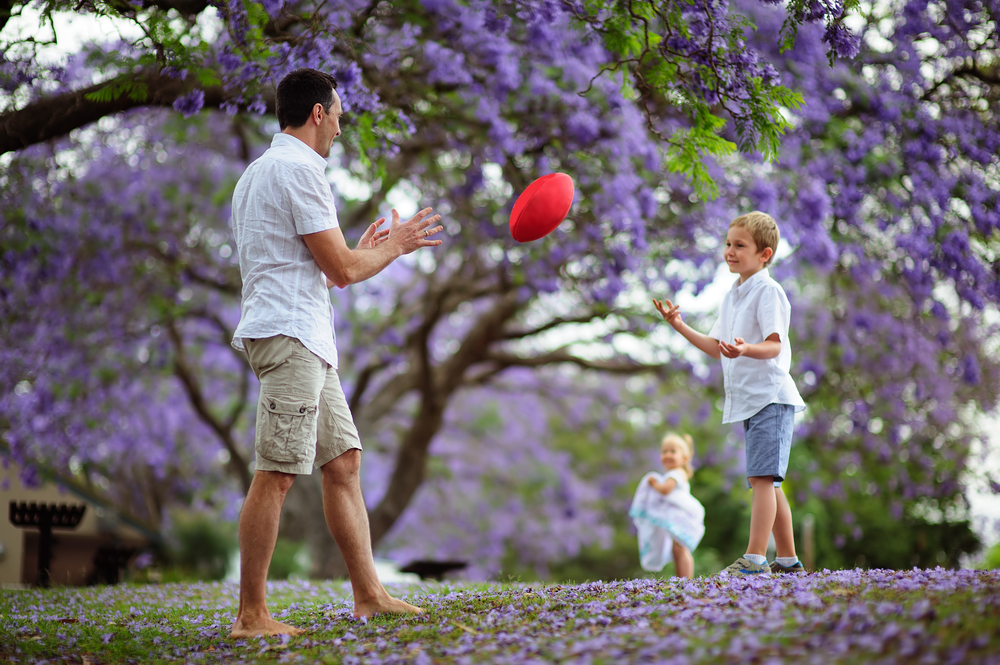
(760, 392)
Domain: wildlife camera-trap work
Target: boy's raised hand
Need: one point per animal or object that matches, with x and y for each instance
(670, 312)
(735, 350)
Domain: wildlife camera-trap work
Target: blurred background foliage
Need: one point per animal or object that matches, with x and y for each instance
(198, 547)
(202, 547)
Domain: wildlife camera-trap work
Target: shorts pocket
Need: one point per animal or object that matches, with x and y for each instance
(286, 429)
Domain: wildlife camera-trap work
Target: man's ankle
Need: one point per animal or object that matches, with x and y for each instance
(370, 597)
(250, 615)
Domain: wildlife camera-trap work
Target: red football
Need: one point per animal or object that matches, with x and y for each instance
(541, 207)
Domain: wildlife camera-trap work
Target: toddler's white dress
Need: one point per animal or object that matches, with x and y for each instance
(662, 518)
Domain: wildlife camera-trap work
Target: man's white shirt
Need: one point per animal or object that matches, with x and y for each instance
(283, 195)
(754, 310)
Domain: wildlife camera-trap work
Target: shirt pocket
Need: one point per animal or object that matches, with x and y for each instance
(286, 429)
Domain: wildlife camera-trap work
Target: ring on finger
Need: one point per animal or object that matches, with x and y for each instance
(426, 233)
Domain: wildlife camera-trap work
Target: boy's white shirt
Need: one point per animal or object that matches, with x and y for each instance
(754, 310)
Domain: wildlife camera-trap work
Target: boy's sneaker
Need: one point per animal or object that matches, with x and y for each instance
(778, 569)
(744, 567)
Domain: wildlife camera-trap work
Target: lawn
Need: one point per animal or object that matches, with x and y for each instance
(874, 616)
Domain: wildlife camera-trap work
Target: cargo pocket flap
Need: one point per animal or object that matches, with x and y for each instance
(287, 406)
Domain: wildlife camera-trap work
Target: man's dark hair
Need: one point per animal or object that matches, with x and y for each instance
(299, 92)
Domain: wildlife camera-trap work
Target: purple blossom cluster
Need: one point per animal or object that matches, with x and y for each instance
(92, 393)
(875, 616)
(15, 73)
(191, 103)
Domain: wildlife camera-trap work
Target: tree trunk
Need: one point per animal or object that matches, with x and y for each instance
(437, 384)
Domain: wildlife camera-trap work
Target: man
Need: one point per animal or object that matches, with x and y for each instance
(291, 251)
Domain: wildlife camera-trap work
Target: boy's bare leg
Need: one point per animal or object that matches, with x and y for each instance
(347, 518)
(784, 538)
(258, 533)
(763, 508)
(683, 561)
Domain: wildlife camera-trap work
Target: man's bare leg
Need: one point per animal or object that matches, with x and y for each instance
(258, 534)
(784, 538)
(347, 518)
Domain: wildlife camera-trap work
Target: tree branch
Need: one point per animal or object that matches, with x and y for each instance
(227, 286)
(450, 295)
(970, 70)
(411, 459)
(6, 7)
(554, 323)
(185, 374)
(56, 116)
(225, 337)
(186, 8)
(364, 378)
(563, 356)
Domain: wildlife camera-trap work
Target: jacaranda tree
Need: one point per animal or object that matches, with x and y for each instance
(120, 289)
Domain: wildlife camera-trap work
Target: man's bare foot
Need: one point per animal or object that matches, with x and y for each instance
(386, 605)
(264, 627)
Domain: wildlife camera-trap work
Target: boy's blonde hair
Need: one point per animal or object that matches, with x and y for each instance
(763, 229)
(687, 443)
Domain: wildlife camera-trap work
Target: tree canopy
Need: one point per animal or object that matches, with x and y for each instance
(120, 290)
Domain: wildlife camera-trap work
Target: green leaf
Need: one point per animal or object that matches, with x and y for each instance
(207, 77)
(117, 88)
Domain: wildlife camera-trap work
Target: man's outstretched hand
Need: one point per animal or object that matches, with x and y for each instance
(414, 233)
(373, 237)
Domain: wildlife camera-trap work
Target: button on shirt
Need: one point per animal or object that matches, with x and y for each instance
(755, 310)
(283, 195)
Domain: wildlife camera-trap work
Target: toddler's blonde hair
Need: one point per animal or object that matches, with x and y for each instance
(762, 228)
(687, 443)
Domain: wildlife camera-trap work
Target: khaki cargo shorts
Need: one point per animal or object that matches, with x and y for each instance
(302, 416)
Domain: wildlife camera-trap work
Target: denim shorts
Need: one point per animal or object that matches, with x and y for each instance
(769, 440)
(303, 418)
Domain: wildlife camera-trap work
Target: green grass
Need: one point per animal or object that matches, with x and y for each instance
(845, 617)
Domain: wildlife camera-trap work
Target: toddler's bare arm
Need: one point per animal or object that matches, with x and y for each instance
(666, 487)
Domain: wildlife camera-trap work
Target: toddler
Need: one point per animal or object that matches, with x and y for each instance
(669, 520)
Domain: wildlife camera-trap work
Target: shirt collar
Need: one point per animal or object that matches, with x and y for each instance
(755, 279)
(287, 140)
